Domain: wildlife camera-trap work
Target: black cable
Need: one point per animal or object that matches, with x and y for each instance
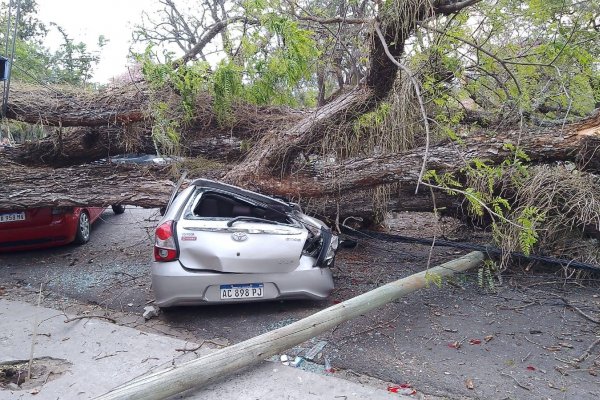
(490, 250)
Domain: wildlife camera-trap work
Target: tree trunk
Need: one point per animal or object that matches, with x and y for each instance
(335, 185)
(280, 147)
(63, 106)
(87, 144)
(96, 126)
(82, 145)
(92, 185)
(579, 145)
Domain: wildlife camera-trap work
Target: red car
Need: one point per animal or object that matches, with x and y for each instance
(36, 228)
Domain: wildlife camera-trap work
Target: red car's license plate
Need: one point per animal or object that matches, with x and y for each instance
(12, 217)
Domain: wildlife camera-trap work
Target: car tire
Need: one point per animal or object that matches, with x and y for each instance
(82, 235)
(118, 209)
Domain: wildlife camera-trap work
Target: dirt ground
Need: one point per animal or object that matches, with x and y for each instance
(533, 336)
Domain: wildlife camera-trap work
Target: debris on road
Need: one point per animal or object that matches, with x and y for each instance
(454, 345)
(315, 350)
(150, 312)
(403, 389)
(328, 368)
(297, 362)
(469, 384)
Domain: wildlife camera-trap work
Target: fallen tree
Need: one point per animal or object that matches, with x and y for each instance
(290, 153)
(35, 187)
(94, 185)
(64, 106)
(88, 127)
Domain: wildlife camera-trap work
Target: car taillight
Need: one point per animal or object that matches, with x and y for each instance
(165, 244)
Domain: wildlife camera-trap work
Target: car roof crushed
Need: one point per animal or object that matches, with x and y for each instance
(266, 200)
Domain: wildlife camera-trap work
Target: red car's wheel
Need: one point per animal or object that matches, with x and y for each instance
(83, 228)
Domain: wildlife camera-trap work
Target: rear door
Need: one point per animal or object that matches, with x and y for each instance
(245, 247)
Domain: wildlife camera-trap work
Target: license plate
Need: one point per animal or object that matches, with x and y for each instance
(242, 291)
(12, 217)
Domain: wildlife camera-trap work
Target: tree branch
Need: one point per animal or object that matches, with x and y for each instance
(476, 46)
(419, 98)
(209, 35)
(447, 8)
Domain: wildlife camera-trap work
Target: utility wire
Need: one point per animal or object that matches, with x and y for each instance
(490, 250)
(12, 54)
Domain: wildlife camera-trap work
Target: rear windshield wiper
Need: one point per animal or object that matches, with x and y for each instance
(253, 219)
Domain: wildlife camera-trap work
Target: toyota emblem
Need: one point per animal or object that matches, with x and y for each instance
(239, 236)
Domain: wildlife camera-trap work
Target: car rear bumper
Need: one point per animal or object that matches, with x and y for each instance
(175, 286)
(56, 233)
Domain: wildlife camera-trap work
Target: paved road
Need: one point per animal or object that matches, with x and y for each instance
(423, 340)
(112, 269)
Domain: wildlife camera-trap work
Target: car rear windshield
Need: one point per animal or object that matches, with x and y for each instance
(219, 205)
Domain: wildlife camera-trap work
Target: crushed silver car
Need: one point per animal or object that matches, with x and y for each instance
(218, 243)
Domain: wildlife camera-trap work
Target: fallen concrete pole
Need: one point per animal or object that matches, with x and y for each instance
(199, 372)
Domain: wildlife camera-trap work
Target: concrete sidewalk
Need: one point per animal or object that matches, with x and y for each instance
(86, 358)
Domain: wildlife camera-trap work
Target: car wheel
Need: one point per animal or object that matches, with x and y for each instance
(118, 209)
(83, 228)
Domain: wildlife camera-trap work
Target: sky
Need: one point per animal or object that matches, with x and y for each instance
(85, 20)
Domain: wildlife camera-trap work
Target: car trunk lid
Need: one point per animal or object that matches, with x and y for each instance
(11, 219)
(246, 247)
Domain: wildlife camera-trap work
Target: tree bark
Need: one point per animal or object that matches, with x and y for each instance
(278, 148)
(335, 185)
(92, 127)
(87, 144)
(82, 145)
(63, 106)
(580, 145)
(93, 185)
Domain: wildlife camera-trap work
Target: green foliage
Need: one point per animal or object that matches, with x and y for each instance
(187, 81)
(528, 220)
(434, 278)
(72, 63)
(485, 275)
(273, 76)
(165, 129)
(227, 87)
(548, 46)
(30, 29)
(481, 194)
(372, 119)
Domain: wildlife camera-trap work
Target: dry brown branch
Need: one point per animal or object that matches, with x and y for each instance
(578, 311)
(91, 316)
(587, 351)
(516, 381)
(198, 347)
